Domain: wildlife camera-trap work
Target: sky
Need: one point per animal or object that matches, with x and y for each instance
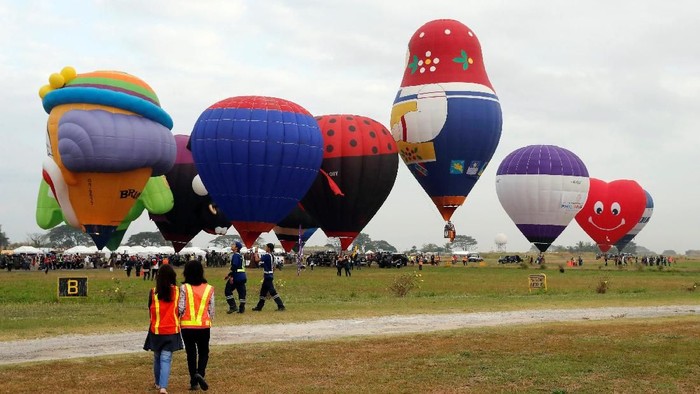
(617, 83)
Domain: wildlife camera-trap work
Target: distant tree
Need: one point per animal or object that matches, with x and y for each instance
(225, 241)
(333, 243)
(447, 247)
(147, 238)
(642, 250)
(431, 248)
(669, 252)
(692, 252)
(65, 236)
(413, 250)
(362, 241)
(631, 247)
(464, 242)
(36, 239)
(382, 245)
(4, 241)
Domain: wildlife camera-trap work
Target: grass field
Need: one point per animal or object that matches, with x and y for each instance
(611, 356)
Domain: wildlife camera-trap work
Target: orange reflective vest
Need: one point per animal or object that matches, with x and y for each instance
(197, 300)
(164, 320)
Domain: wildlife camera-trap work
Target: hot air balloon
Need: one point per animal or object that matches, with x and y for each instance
(542, 187)
(289, 229)
(446, 116)
(359, 168)
(611, 210)
(191, 212)
(106, 136)
(257, 156)
(156, 198)
(627, 238)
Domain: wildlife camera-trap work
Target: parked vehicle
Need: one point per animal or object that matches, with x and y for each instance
(391, 260)
(474, 258)
(324, 258)
(510, 259)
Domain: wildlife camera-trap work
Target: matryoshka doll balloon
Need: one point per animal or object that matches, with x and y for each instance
(446, 117)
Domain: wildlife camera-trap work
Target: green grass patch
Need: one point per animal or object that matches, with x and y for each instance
(30, 306)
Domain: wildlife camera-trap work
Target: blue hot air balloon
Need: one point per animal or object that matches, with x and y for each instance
(542, 187)
(640, 225)
(257, 156)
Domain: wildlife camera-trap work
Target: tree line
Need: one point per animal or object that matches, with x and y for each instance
(64, 237)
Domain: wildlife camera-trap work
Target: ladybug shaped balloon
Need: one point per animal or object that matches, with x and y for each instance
(359, 168)
(611, 210)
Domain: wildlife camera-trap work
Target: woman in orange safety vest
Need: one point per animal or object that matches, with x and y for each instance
(164, 331)
(196, 310)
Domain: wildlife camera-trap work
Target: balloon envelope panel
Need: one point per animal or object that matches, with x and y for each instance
(648, 211)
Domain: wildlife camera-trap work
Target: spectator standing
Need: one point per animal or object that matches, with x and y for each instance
(196, 310)
(236, 279)
(268, 281)
(154, 268)
(164, 329)
(146, 269)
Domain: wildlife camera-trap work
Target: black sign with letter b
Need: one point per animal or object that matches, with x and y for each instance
(72, 287)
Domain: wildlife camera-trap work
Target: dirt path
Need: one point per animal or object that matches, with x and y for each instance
(74, 346)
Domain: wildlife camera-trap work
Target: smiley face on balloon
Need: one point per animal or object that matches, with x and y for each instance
(611, 210)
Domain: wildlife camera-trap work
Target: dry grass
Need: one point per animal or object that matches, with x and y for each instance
(588, 357)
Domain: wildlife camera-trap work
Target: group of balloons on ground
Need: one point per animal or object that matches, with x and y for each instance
(263, 163)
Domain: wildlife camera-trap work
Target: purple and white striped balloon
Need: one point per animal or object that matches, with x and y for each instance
(542, 187)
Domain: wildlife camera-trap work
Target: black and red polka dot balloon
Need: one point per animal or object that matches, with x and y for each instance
(359, 168)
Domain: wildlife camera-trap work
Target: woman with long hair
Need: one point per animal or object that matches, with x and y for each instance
(164, 329)
(196, 309)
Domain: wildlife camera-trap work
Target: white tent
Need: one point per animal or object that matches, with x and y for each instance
(152, 250)
(166, 250)
(192, 250)
(123, 249)
(139, 250)
(27, 250)
(80, 249)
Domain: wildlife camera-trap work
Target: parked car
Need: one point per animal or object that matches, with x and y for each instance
(510, 259)
(325, 258)
(391, 260)
(474, 258)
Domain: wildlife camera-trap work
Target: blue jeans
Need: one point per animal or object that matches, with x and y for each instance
(161, 367)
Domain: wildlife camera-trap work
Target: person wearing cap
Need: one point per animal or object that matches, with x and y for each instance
(236, 279)
(268, 281)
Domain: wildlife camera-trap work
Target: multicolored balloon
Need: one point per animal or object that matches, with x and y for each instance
(611, 211)
(257, 156)
(287, 231)
(446, 116)
(542, 187)
(156, 198)
(359, 168)
(106, 136)
(648, 211)
(191, 212)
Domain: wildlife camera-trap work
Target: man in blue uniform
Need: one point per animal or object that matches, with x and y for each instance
(236, 279)
(268, 279)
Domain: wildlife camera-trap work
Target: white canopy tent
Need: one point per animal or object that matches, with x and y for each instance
(27, 250)
(193, 250)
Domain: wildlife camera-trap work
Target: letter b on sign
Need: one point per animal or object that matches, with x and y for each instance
(72, 287)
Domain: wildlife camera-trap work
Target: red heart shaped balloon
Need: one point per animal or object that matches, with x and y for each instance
(611, 210)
